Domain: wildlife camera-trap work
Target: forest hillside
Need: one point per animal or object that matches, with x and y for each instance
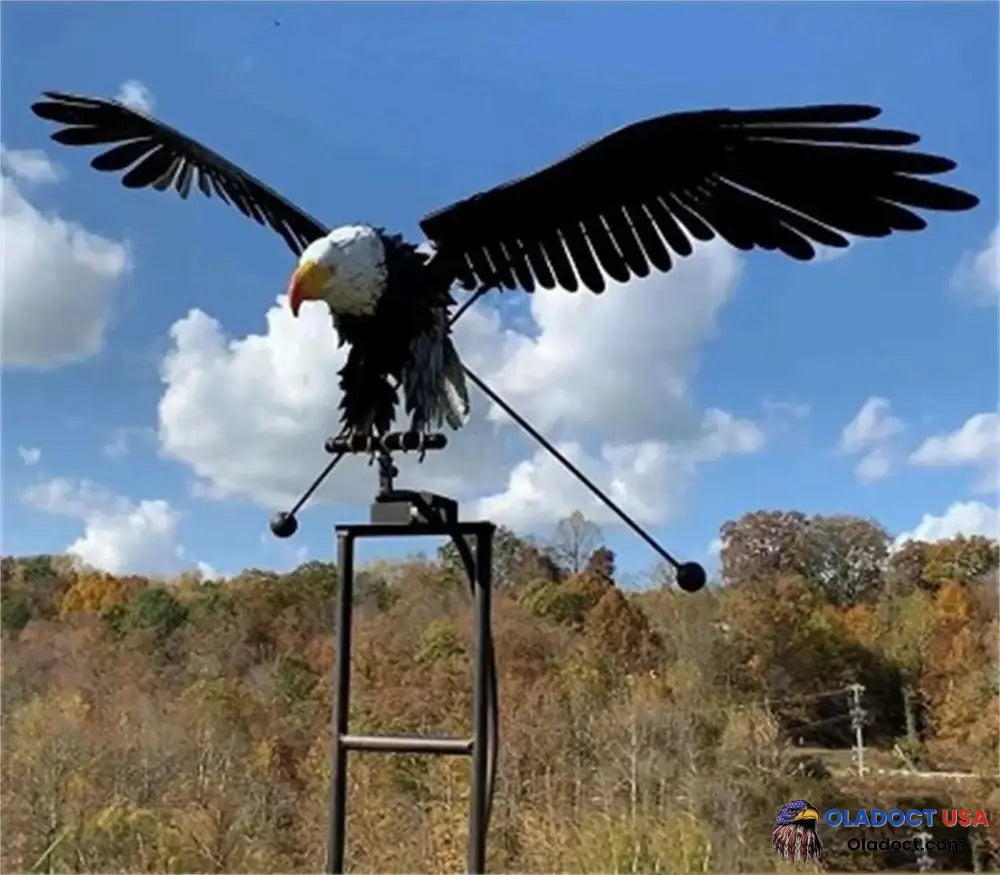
(184, 725)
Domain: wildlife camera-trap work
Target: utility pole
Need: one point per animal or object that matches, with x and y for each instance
(924, 860)
(857, 723)
(909, 706)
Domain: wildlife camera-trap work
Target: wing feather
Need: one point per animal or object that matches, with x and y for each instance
(781, 179)
(157, 156)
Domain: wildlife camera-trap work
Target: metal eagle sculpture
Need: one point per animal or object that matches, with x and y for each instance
(622, 206)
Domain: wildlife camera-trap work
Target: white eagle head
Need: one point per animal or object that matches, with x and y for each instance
(346, 269)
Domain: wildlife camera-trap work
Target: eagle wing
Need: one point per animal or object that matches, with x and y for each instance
(779, 179)
(161, 157)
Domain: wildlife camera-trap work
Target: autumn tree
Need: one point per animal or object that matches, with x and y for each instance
(763, 545)
(928, 566)
(95, 591)
(154, 609)
(847, 556)
(842, 555)
(515, 560)
(960, 560)
(575, 538)
(905, 568)
(32, 587)
(959, 679)
(569, 600)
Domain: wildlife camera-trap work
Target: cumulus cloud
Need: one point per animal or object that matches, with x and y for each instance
(873, 466)
(976, 444)
(961, 518)
(977, 275)
(870, 435)
(119, 536)
(136, 95)
(634, 475)
(604, 376)
(58, 278)
(31, 456)
(29, 165)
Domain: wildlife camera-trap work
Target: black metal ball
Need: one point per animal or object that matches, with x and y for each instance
(691, 577)
(284, 525)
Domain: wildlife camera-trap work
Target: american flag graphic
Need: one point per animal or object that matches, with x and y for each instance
(797, 843)
(794, 837)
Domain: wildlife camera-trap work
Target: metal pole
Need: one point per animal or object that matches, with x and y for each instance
(341, 706)
(476, 858)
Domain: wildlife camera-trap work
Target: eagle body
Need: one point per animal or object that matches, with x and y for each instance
(780, 179)
(390, 304)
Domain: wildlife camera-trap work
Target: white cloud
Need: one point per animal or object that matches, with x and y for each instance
(29, 165)
(976, 444)
(977, 275)
(136, 95)
(872, 425)
(249, 416)
(57, 277)
(619, 362)
(119, 536)
(606, 375)
(30, 455)
(647, 479)
(962, 518)
(870, 435)
(875, 465)
(209, 572)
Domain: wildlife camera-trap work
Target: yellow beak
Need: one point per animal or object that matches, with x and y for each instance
(307, 284)
(807, 814)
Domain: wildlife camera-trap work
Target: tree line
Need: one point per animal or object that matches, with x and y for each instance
(183, 725)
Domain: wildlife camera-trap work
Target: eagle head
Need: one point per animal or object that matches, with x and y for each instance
(346, 269)
(794, 836)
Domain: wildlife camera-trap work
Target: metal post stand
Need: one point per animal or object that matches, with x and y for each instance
(402, 513)
(398, 512)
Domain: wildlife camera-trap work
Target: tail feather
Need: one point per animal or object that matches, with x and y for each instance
(434, 380)
(456, 392)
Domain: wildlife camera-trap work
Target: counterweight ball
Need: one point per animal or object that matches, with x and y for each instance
(284, 525)
(691, 577)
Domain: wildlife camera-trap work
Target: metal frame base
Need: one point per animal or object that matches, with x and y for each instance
(400, 513)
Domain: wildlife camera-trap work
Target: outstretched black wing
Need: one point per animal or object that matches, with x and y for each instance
(769, 178)
(161, 157)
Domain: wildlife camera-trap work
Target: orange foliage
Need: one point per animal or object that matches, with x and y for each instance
(96, 590)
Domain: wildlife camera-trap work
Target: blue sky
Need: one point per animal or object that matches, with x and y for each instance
(382, 112)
